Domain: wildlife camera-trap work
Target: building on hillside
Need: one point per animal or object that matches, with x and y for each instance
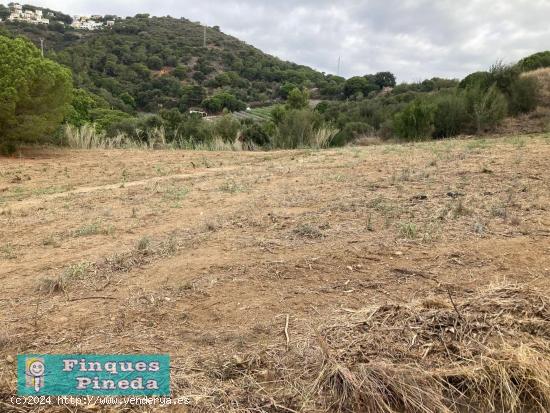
(86, 23)
(28, 16)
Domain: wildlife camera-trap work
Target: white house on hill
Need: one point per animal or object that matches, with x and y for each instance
(87, 23)
(29, 16)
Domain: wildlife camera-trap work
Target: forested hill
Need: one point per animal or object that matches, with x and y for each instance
(148, 63)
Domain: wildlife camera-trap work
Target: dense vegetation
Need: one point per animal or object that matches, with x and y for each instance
(138, 80)
(35, 94)
(147, 63)
(438, 108)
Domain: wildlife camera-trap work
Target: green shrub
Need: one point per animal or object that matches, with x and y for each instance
(482, 80)
(82, 104)
(195, 129)
(221, 101)
(486, 108)
(416, 121)
(297, 129)
(154, 63)
(105, 118)
(297, 99)
(450, 116)
(227, 128)
(351, 131)
(256, 133)
(180, 72)
(359, 86)
(524, 95)
(504, 76)
(535, 61)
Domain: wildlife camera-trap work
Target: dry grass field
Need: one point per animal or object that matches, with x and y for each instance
(384, 278)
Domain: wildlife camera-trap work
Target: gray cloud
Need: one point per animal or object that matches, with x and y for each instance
(415, 39)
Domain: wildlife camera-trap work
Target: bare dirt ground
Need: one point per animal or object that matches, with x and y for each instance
(275, 279)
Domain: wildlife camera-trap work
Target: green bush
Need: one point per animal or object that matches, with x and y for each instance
(195, 129)
(154, 63)
(181, 72)
(221, 101)
(451, 115)
(34, 93)
(504, 76)
(535, 61)
(82, 105)
(351, 131)
(524, 95)
(256, 133)
(482, 80)
(416, 121)
(227, 128)
(105, 118)
(384, 79)
(486, 108)
(359, 86)
(296, 129)
(297, 99)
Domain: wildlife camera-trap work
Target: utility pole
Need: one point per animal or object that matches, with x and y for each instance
(42, 46)
(338, 72)
(204, 38)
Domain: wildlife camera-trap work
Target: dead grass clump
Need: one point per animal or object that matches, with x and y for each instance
(543, 78)
(380, 387)
(511, 379)
(5, 339)
(440, 354)
(72, 274)
(432, 358)
(307, 231)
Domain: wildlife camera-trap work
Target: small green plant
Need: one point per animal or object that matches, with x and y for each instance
(61, 282)
(8, 252)
(408, 230)
(231, 187)
(176, 193)
(94, 228)
(143, 244)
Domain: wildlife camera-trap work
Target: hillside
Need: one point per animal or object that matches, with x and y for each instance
(146, 63)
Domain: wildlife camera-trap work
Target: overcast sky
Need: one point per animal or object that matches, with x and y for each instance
(415, 39)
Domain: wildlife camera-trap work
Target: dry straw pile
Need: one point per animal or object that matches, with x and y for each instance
(486, 352)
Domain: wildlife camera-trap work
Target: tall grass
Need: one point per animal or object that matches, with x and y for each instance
(322, 137)
(216, 144)
(87, 137)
